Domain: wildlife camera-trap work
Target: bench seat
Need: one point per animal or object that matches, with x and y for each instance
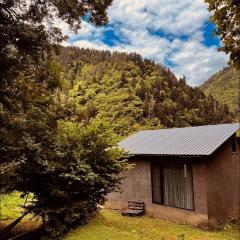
(135, 208)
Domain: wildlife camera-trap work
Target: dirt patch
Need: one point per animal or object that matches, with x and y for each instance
(26, 230)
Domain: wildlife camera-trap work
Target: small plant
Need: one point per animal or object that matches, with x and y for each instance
(181, 237)
(227, 227)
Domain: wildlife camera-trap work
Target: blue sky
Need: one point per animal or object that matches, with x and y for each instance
(176, 33)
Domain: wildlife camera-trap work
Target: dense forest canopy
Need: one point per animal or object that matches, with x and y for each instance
(133, 93)
(225, 86)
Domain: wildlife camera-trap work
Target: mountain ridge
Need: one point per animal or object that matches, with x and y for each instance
(133, 93)
(225, 86)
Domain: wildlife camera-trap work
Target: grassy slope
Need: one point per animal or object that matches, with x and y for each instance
(10, 209)
(110, 225)
(224, 86)
(10, 206)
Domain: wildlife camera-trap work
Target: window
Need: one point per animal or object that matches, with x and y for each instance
(172, 185)
(234, 143)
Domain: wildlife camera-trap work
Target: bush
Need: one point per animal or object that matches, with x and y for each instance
(83, 171)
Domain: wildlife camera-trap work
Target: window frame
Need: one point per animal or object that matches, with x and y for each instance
(161, 166)
(161, 183)
(233, 141)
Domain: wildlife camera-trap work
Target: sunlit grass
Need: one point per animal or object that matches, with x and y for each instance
(110, 225)
(10, 206)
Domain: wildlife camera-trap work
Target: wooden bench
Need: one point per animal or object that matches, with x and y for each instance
(135, 208)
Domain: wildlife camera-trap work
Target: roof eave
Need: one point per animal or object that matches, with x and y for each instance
(169, 155)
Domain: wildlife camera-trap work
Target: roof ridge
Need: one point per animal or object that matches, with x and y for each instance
(199, 140)
(148, 130)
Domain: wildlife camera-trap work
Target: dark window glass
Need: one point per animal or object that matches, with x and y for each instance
(172, 185)
(234, 143)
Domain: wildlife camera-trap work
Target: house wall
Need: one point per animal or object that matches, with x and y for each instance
(137, 186)
(223, 190)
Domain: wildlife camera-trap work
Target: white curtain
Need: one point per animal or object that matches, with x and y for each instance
(177, 186)
(172, 185)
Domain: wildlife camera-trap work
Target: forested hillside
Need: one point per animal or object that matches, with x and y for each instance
(132, 93)
(225, 87)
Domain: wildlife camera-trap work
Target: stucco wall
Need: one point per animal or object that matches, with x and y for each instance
(137, 186)
(223, 190)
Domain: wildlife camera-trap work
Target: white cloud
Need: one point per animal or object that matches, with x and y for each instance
(155, 29)
(196, 61)
(93, 45)
(171, 16)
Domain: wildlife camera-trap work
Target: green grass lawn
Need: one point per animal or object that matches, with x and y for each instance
(110, 225)
(10, 206)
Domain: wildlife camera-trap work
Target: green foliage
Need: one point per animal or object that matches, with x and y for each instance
(224, 86)
(84, 170)
(226, 15)
(29, 119)
(134, 94)
(68, 174)
(66, 187)
(27, 30)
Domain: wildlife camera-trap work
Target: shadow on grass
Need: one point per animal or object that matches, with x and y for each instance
(27, 230)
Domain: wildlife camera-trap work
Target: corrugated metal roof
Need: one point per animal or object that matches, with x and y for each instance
(200, 140)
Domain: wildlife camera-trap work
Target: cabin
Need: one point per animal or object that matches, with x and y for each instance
(183, 174)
